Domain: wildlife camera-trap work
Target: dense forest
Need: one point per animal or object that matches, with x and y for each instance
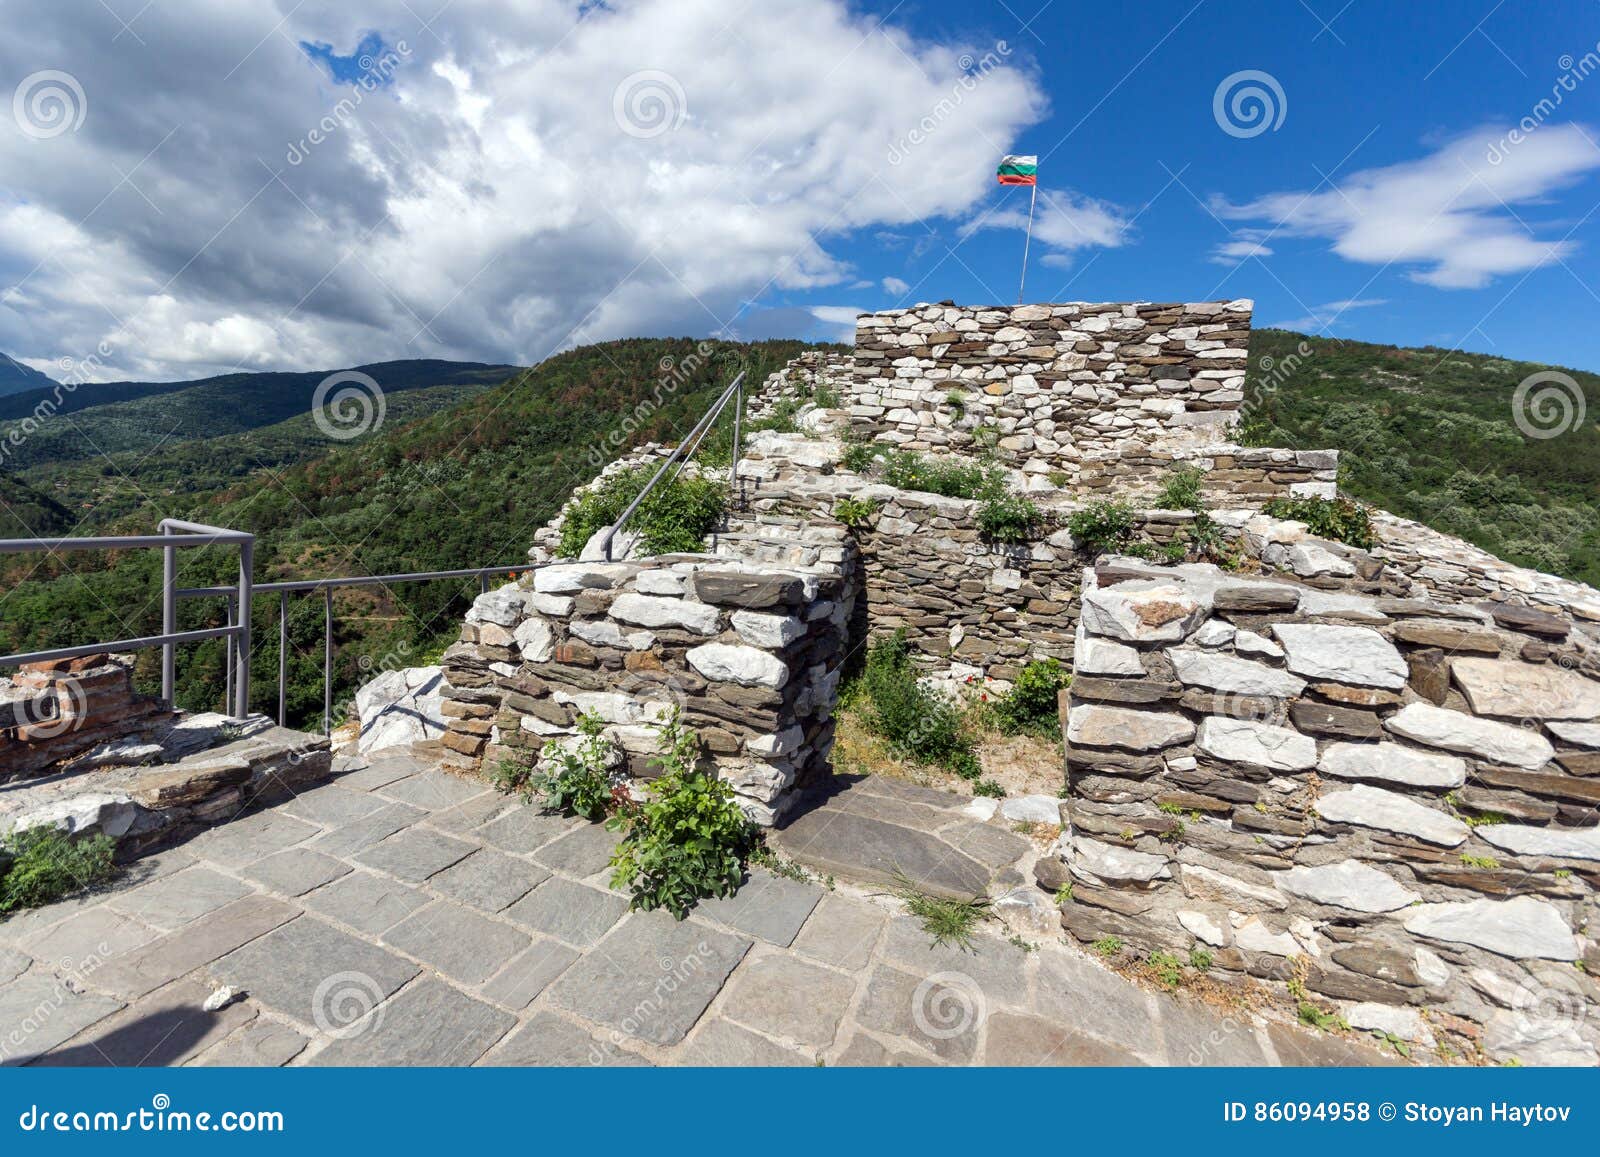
(1430, 434)
(465, 486)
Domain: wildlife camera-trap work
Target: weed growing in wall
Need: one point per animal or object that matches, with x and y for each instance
(1030, 707)
(578, 782)
(1337, 518)
(43, 865)
(1102, 527)
(675, 518)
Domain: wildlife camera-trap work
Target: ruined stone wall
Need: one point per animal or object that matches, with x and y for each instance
(1390, 800)
(749, 654)
(1051, 388)
(52, 712)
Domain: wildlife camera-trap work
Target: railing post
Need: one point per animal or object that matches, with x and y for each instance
(283, 658)
(169, 617)
(241, 681)
(327, 660)
(230, 667)
(738, 418)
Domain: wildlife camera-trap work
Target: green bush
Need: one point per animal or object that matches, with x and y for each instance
(1008, 517)
(904, 710)
(578, 783)
(1030, 706)
(1181, 490)
(908, 470)
(674, 519)
(1337, 518)
(826, 398)
(858, 456)
(46, 865)
(855, 512)
(1103, 527)
(689, 840)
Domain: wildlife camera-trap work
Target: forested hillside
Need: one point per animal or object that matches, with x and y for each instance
(462, 487)
(1430, 434)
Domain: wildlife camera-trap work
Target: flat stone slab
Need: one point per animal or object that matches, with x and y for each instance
(1560, 843)
(296, 871)
(314, 973)
(433, 790)
(1079, 995)
(461, 943)
(489, 880)
(165, 1028)
(791, 1000)
(174, 901)
(429, 1023)
(365, 832)
(547, 1040)
(1348, 884)
(1388, 811)
(187, 948)
(1392, 763)
(25, 1034)
(652, 977)
(89, 939)
(379, 770)
(525, 830)
(1484, 738)
(415, 854)
(367, 902)
(1526, 690)
(519, 983)
(575, 913)
(1522, 928)
(842, 932)
(584, 851)
(332, 805)
(767, 906)
(943, 1013)
(723, 1045)
(1017, 1040)
(259, 1044)
(875, 851)
(246, 840)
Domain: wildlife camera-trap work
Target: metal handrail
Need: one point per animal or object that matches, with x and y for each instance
(685, 450)
(176, 534)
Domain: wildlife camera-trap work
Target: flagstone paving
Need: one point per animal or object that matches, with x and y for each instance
(401, 916)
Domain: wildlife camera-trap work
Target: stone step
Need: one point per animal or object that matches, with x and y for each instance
(878, 830)
(247, 763)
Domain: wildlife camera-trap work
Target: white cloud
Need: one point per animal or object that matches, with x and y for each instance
(1451, 218)
(486, 202)
(1063, 221)
(1245, 244)
(1323, 317)
(840, 321)
(894, 287)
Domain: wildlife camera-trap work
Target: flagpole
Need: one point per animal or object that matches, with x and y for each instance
(1027, 240)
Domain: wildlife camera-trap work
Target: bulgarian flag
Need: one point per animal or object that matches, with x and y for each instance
(1019, 171)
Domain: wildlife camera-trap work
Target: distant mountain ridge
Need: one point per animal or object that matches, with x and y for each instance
(16, 377)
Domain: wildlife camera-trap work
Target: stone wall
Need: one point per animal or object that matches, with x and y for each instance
(1391, 801)
(750, 655)
(53, 712)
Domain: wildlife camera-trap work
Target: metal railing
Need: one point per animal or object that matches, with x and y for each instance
(177, 534)
(685, 450)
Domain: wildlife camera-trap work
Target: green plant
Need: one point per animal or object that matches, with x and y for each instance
(578, 782)
(1025, 945)
(826, 398)
(1200, 959)
(1108, 946)
(957, 401)
(1175, 551)
(947, 921)
(1064, 894)
(1166, 968)
(1181, 489)
(855, 512)
(1319, 1018)
(1060, 479)
(514, 775)
(989, 788)
(1007, 517)
(46, 865)
(1393, 1042)
(951, 477)
(1483, 818)
(1487, 863)
(689, 840)
(1031, 704)
(675, 517)
(858, 456)
(1102, 527)
(1563, 873)
(1337, 518)
(966, 765)
(914, 718)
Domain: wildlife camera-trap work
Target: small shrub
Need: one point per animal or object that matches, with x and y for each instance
(989, 788)
(1200, 959)
(578, 783)
(1103, 527)
(1007, 517)
(514, 776)
(689, 840)
(675, 518)
(966, 765)
(1064, 895)
(904, 710)
(855, 513)
(957, 401)
(1108, 945)
(1181, 490)
(1166, 968)
(781, 420)
(1060, 479)
(908, 470)
(826, 398)
(1031, 705)
(1337, 518)
(47, 865)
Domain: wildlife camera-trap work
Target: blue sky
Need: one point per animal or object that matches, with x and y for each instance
(188, 188)
(1365, 85)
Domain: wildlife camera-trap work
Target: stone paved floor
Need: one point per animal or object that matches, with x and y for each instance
(401, 916)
